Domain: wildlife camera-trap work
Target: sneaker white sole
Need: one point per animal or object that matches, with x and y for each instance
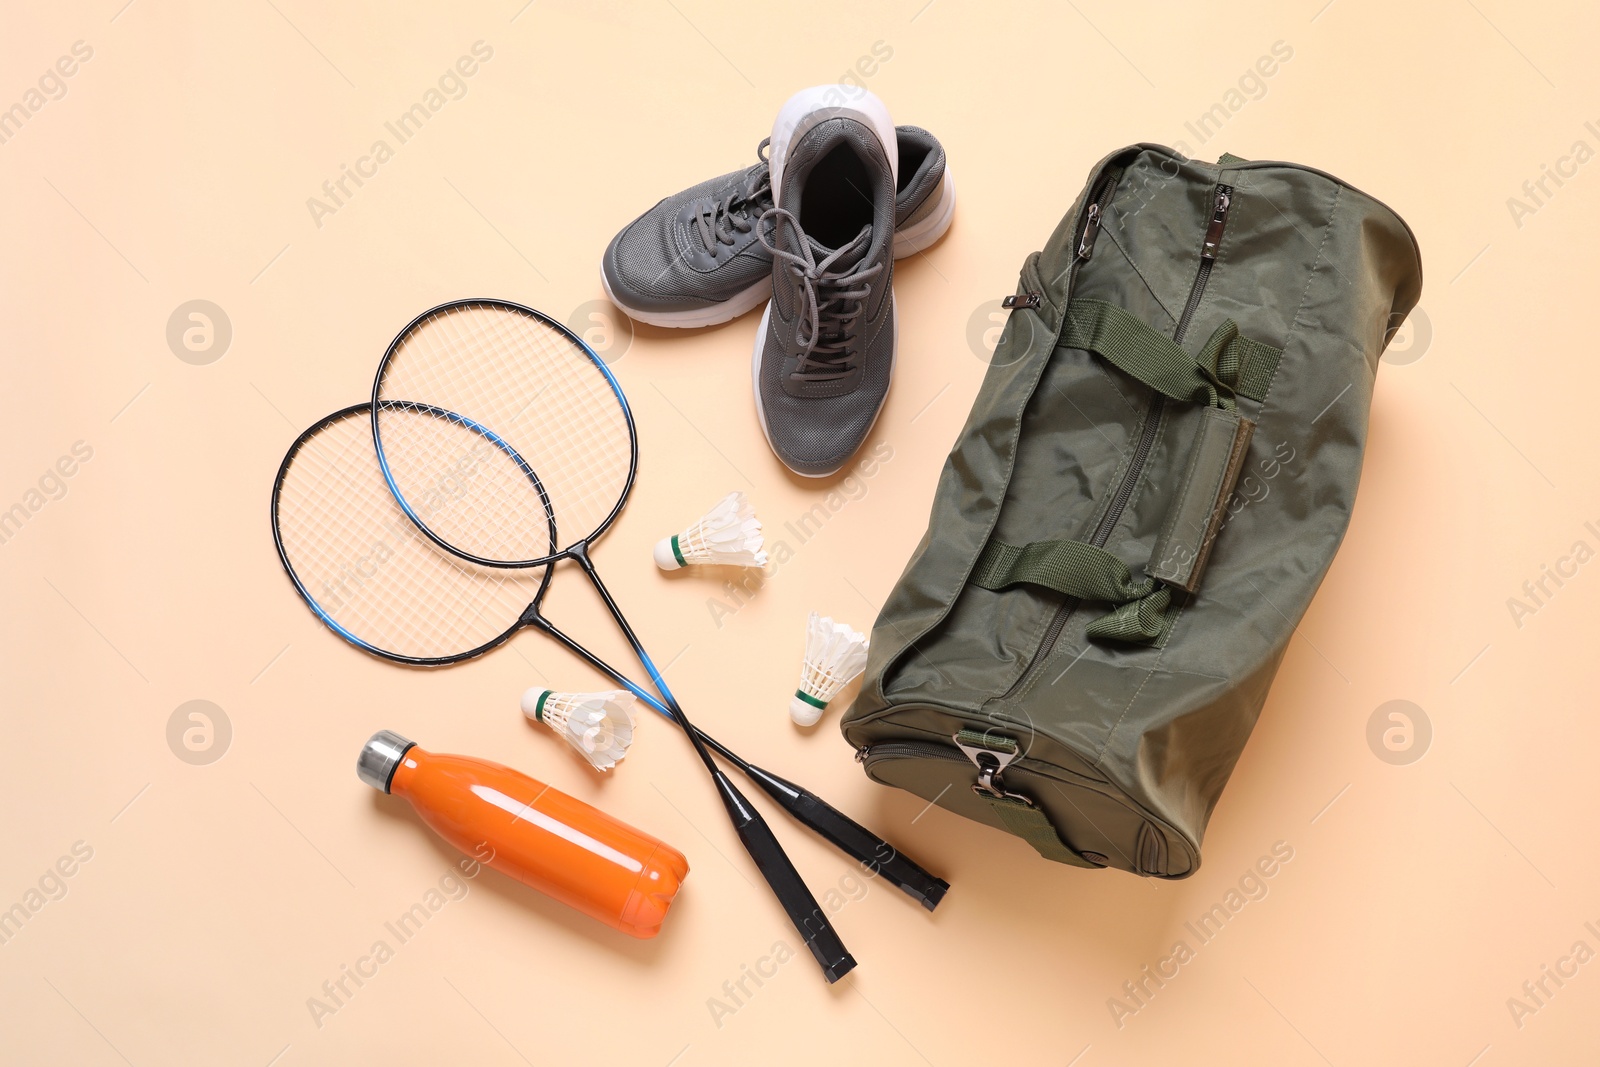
(761, 412)
(926, 232)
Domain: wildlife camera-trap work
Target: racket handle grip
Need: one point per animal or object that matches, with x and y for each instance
(855, 840)
(810, 921)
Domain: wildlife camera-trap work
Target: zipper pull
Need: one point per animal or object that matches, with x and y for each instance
(1026, 300)
(1219, 219)
(861, 753)
(1091, 229)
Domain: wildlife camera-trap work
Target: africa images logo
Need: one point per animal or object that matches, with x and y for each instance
(451, 85)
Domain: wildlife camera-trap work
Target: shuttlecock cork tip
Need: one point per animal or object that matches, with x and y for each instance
(805, 710)
(533, 702)
(666, 554)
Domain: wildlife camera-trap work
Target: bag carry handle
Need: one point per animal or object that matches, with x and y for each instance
(1228, 365)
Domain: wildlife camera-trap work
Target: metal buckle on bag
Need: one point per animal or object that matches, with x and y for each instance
(991, 763)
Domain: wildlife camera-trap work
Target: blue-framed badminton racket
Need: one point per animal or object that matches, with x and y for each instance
(551, 406)
(370, 575)
(530, 431)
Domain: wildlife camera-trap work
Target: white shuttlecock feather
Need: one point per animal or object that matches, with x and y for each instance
(729, 534)
(835, 656)
(599, 725)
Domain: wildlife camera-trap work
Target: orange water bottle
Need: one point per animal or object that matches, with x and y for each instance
(538, 835)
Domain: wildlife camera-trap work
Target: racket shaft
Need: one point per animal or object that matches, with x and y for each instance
(874, 853)
(849, 836)
(809, 920)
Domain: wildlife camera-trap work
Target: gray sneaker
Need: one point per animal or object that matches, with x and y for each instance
(824, 352)
(695, 260)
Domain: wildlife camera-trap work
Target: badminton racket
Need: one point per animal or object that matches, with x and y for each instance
(569, 454)
(365, 569)
(382, 552)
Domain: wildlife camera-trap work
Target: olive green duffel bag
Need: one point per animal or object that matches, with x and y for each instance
(1153, 480)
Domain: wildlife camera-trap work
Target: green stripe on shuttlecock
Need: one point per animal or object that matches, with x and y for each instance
(538, 709)
(809, 699)
(677, 553)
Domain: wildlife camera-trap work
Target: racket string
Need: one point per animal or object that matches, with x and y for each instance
(532, 387)
(492, 483)
(348, 568)
(451, 526)
(593, 486)
(367, 568)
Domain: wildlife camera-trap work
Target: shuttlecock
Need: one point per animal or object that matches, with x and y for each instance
(728, 534)
(835, 656)
(599, 725)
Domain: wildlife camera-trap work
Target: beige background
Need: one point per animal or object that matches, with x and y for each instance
(219, 897)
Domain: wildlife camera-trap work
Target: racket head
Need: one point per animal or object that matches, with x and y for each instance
(541, 393)
(360, 563)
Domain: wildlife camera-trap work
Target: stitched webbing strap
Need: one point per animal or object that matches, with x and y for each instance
(1033, 826)
(1257, 364)
(1227, 363)
(1081, 570)
(1075, 568)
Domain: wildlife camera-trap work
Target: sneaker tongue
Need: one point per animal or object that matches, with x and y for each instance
(854, 252)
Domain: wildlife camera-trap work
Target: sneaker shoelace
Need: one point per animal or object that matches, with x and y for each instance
(720, 222)
(830, 302)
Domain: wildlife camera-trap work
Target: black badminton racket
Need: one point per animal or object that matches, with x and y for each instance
(365, 569)
(569, 455)
(451, 469)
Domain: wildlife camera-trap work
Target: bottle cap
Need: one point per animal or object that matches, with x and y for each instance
(379, 758)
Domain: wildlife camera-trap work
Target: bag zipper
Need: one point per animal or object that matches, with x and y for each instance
(1086, 238)
(1208, 256)
(1222, 199)
(1091, 230)
(934, 750)
(1091, 218)
(910, 750)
